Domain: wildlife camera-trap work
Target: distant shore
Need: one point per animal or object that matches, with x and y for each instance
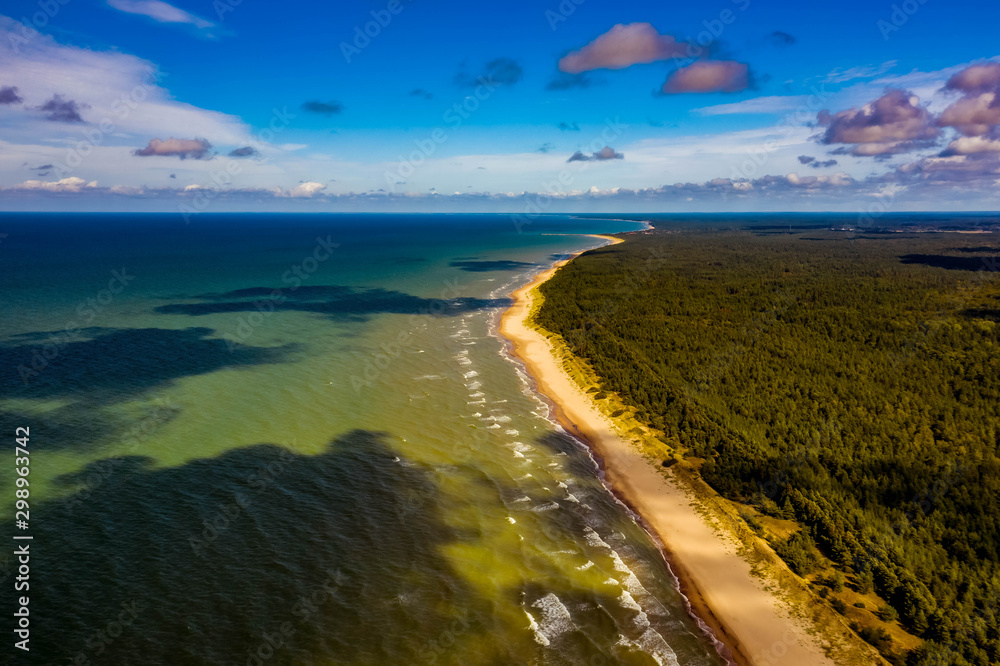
(749, 620)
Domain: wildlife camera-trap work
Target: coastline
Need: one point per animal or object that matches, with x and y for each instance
(747, 618)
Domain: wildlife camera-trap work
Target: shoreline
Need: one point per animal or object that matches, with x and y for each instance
(749, 622)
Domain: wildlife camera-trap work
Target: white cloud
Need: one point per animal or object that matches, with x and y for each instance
(839, 75)
(71, 184)
(124, 103)
(971, 145)
(160, 11)
(123, 91)
(307, 189)
(771, 104)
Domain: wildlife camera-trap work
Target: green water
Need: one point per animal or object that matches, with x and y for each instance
(349, 470)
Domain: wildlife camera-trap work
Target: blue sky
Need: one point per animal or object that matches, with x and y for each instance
(572, 105)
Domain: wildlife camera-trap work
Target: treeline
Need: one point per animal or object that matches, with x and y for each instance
(851, 383)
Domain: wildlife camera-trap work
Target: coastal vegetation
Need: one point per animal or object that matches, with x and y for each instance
(844, 383)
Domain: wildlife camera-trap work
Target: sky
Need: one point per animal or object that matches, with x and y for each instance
(529, 107)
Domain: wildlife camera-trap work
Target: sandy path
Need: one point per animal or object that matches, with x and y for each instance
(750, 620)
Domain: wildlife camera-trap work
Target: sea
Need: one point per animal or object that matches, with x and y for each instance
(298, 439)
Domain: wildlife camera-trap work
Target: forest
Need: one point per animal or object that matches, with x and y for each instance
(846, 379)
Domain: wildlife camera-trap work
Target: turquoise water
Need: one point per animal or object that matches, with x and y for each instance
(298, 440)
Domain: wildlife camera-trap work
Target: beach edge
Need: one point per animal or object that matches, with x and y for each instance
(657, 500)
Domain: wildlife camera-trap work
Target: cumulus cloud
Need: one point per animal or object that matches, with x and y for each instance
(604, 154)
(973, 116)
(971, 145)
(71, 184)
(196, 149)
(921, 183)
(420, 92)
(245, 151)
(105, 86)
(306, 189)
(968, 170)
(895, 122)
(709, 76)
(569, 127)
(976, 79)
(323, 108)
(497, 72)
(624, 46)
(159, 11)
(836, 180)
(62, 110)
(977, 113)
(8, 95)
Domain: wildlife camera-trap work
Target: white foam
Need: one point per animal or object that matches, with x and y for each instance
(539, 636)
(626, 600)
(555, 620)
(631, 582)
(594, 539)
(652, 643)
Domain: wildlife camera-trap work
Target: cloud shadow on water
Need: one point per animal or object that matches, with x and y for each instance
(83, 425)
(205, 558)
(484, 266)
(120, 364)
(341, 303)
(100, 368)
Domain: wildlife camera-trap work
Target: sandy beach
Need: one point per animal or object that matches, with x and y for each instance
(751, 621)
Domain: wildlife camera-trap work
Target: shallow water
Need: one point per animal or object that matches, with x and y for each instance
(267, 449)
